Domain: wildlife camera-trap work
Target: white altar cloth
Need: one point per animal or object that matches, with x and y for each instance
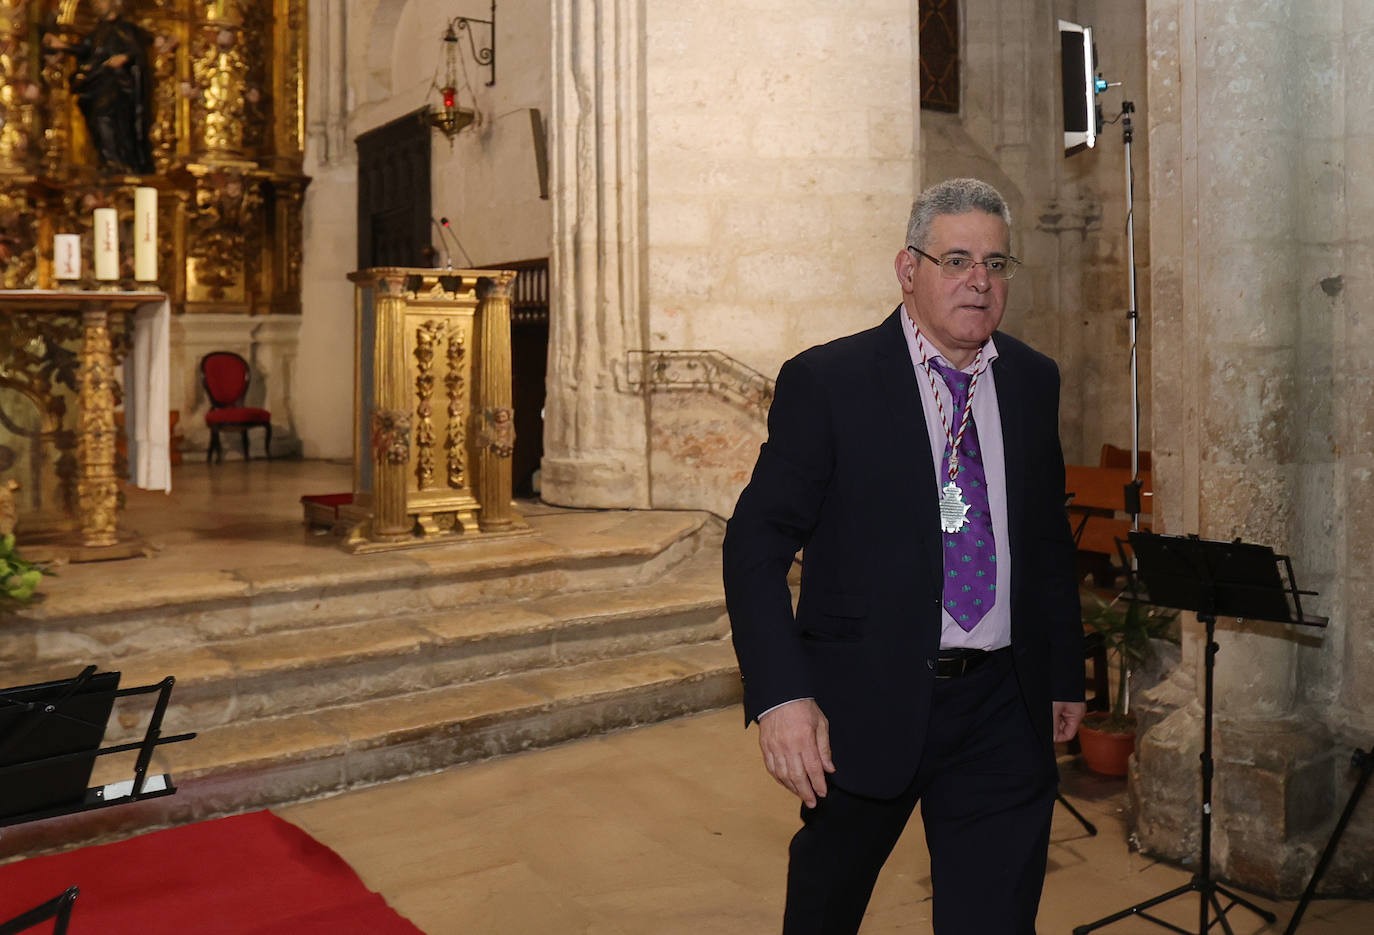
(147, 388)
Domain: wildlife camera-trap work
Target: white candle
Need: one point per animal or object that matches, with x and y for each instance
(145, 234)
(106, 234)
(66, 256)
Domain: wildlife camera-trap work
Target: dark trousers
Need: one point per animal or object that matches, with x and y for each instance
(986, 785)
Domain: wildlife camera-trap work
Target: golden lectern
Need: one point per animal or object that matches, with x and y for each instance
(433, 427)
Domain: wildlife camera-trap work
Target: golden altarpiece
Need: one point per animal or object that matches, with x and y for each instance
(226, 132)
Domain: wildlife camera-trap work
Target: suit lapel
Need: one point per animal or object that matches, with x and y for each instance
(1011, 406)
(910, 443)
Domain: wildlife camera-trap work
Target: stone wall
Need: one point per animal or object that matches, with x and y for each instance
(737, 189)
(323, 385)
(1070, 298)
(740, 183)
(1262, 213)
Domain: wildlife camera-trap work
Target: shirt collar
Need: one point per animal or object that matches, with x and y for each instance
(922, 351)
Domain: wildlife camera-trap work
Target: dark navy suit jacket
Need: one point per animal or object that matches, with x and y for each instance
(846, 474)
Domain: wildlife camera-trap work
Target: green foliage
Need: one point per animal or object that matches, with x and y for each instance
(18, 577)
(1126, 627)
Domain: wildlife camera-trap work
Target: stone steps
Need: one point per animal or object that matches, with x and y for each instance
(89, 615)
(288, 672)
(271, 761)
(286, 714)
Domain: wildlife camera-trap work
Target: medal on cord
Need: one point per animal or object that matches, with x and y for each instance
(953, 507)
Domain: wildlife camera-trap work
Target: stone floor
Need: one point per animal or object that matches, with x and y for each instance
(222, 516)
(233, 516)
(675, 828)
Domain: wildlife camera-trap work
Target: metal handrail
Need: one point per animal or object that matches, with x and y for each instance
(706, 370)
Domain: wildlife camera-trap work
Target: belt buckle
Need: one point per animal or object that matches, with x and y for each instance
(950, 667)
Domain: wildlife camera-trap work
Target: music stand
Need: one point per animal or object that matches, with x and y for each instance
(1364, 762)
(1210, 578)
(50, 736)
(59, 909)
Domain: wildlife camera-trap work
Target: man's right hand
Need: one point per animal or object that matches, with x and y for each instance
(795, 739)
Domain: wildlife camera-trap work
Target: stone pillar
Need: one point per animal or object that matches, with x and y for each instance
(1248, 219)
(1346, 295)
(326, 103)
(1352, 294)
(595, 439)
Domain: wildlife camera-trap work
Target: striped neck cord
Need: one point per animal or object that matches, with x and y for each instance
(952, 439)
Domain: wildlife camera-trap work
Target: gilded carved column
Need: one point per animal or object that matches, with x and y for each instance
(220, 67)
(97, 487)
(288, 93)
(392, 419)
(17, 91)
(496, 439)
(288, 247)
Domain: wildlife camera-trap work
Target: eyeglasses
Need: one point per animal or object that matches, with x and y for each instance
(957, 266)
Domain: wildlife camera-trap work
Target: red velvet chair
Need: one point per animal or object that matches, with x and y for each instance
(225, 376)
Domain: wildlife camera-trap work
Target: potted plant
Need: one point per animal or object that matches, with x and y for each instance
(1126, 627)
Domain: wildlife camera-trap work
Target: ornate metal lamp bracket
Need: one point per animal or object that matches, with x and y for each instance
(484, 56)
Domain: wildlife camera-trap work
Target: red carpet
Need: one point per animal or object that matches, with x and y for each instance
(251, 874)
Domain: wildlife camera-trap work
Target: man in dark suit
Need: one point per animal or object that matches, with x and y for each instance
(935, 652)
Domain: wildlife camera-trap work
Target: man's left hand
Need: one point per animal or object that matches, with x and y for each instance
(1067, 716)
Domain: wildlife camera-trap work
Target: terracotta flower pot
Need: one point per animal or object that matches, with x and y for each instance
(1105, 752)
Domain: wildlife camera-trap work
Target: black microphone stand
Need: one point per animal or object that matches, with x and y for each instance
(1132, 489)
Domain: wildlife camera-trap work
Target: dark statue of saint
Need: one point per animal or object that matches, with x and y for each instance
(112, 88)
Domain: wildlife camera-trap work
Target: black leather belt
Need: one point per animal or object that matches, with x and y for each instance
(956, 663)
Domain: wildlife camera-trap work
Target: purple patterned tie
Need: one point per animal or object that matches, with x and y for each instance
(970, 554)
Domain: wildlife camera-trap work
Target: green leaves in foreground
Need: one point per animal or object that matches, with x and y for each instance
(18, 577)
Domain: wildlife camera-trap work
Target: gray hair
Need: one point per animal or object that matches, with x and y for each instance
(953, 196)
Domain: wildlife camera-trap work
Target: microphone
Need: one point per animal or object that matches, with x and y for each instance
(443, 245)
(456, 242)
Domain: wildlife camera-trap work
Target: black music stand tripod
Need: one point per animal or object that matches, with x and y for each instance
(1364, 762)
(1212, 579)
